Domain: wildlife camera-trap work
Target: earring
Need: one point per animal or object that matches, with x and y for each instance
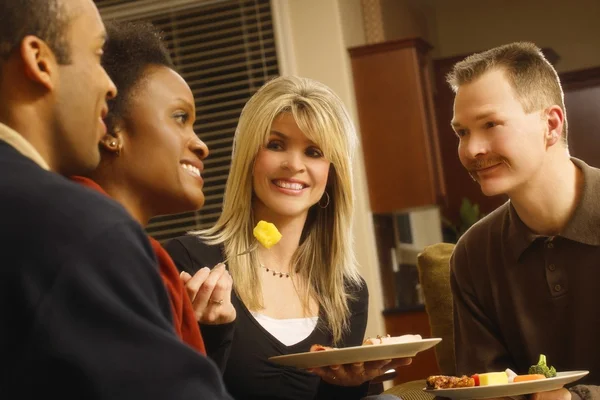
(113, 145)
(327, 203)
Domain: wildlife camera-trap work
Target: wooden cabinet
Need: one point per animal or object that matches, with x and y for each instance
(392, 82)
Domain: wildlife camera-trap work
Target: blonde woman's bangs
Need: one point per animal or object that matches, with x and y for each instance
(321, 131)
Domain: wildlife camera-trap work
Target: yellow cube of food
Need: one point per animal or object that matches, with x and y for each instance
(267, 234)
(493, 378)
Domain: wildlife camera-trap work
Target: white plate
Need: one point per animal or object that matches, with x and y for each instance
(510, 389)
(355, 354)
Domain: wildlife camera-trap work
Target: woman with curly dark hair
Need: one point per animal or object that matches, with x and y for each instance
(151, 163)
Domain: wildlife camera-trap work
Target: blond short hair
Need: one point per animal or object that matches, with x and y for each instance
(532, 77)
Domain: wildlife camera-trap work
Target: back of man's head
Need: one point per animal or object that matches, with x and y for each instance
(46, 19)
(533, 79)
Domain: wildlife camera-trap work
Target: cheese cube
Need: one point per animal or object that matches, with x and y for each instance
(493, 378)
(267, 234)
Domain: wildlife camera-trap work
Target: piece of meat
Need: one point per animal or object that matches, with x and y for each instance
(320, 347)
(448, 382)
(391, 339)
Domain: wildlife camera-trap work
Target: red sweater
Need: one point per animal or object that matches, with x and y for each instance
(184, 318)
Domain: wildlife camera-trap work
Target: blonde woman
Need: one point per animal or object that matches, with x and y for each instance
(292, 166)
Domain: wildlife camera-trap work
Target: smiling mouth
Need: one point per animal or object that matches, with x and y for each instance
(480, 170)
(289, 185)
(192, 170)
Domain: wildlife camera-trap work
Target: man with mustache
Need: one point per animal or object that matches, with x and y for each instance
(524, 278)
(83, 311)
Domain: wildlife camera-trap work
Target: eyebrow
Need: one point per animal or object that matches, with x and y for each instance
(185, 103)
(478, 117)
(277, 133)
(286, 137)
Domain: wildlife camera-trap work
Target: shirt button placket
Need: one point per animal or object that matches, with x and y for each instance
(553, 274)
(557, 287)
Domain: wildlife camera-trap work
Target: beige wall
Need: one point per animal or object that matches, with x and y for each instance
(465, 26)
(407, 18)
(571, 28)
(313, 36)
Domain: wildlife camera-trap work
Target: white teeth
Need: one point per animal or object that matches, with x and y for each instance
(191, 168)
(289, 185)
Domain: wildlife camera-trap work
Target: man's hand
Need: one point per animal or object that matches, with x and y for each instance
(559, 394)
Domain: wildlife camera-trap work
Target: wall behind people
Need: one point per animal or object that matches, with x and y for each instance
(569, 28)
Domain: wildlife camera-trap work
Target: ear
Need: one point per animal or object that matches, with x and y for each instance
(39, 61)
(554, 119)
(112, 143)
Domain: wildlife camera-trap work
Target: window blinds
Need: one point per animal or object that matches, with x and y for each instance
(225, 50)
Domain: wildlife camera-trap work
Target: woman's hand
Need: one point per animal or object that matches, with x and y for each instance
(210, 293)
(358, 373)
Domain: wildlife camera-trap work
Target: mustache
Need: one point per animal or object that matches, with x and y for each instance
(482, 163)
(476, 165)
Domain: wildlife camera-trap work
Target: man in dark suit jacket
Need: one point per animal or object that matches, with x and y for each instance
(83, 311)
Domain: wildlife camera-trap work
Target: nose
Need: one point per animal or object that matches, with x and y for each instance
(293, 162)
(473, 146)
(198, 147)
(112, 89)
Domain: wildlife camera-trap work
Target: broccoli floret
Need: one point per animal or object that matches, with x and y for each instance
(542, 368)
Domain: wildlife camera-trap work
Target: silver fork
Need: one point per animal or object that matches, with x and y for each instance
(250, 249)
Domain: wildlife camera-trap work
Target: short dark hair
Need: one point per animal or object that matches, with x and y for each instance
(46, 19)
(532, 77)
(132, 47)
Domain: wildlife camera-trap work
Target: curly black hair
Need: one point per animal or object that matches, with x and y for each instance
(46, 19)
(132, 47)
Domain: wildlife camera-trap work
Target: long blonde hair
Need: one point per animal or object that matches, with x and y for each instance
(324, 258)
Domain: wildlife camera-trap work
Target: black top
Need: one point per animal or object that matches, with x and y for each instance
(518, 295)
(84, 313)
(248, 373)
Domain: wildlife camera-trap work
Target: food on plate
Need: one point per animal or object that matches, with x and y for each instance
(267, 234)
(492, 378)
(511, 374)
(387, 339)
(538, 371)
(542, 368)
(448, 382)
(320, 347)
(529, 377)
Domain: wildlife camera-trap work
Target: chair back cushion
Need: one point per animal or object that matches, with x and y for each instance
(433, 264)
